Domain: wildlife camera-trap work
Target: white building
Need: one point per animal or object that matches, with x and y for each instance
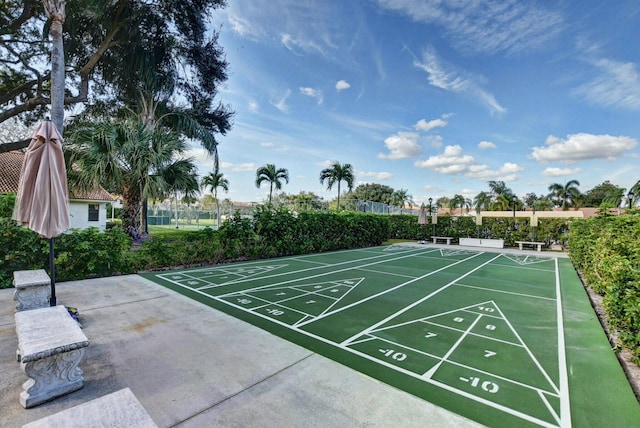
(86, 209)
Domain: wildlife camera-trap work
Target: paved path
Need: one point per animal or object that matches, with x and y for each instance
(193, 366)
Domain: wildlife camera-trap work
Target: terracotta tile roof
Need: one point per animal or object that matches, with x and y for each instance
(10, 166)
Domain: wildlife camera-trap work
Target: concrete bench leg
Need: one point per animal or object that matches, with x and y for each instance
(51, 377)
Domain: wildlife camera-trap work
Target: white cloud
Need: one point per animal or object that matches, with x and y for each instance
(617, 84)
(485, 26)
(313, 93)
(446, 77)
(582, 146)
(454, 162)
(424, 126)
(451, 161)
(402, 145)
(377, 176)
(485, 145)
(559, 172)
(341, 85)
(505, 173)
(435, 141)
(266, 144)
(281, 104)
(253, 106)
(238, 167)
(296, 45)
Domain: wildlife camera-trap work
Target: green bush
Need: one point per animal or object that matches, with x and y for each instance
(86, 253)
(177, 249)
(606, 250)
(549, 230)
(280, 232)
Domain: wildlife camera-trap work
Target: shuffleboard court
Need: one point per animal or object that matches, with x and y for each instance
(503, 338)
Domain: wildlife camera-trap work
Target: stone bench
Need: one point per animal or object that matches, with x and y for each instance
(50, 347)
(442, 238)
(120, 409)
(32, 289)
(538, 245)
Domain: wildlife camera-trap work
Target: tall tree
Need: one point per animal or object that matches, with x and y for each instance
(126, 156)
(455, 202)
(272, 175)
(215, 181)
(178, 178)
(565, 194)
(55, 11)
(482, 201)
(337, 173)
(111, 48)
(598, 194)
(373, 192)
(635, 189)
(401, 198)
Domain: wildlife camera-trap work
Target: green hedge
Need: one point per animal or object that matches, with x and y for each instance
(606, 250)
(549, 230)
(280, 232)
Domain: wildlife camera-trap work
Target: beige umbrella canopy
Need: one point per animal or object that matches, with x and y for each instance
(42, 199)
(422, 217)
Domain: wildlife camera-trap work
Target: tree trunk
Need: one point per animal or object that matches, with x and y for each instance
(55, 10)
(131, 213)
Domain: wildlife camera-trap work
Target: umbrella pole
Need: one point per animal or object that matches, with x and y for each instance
(52, 269)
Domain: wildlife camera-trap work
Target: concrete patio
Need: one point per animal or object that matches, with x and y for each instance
(193, 366)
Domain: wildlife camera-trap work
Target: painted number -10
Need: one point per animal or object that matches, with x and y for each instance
(398, 356)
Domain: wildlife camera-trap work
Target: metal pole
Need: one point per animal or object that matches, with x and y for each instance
(52, 271)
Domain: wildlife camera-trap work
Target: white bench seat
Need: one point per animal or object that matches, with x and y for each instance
(50, 347)
(120, 409)
(448, 239)
(32, 289)
(538, 245)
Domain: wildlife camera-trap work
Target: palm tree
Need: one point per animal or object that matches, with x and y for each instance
(179, 177)
(482, 201)
(214, 181)
(128, 157)
(565, 194)
(272, 175)
(499, 188)
(337, 173)
(634, 192)
(457, 201)
(401, 197)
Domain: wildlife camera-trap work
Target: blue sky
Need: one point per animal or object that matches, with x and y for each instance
(435, 97)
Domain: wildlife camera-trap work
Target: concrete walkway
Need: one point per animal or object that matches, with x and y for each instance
(193, 366)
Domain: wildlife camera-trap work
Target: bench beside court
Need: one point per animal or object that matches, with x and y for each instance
(50, 347)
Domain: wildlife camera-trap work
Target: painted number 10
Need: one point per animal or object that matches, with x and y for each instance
(398, 356)
(486, 385)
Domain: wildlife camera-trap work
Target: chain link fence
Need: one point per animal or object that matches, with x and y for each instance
(195, 216)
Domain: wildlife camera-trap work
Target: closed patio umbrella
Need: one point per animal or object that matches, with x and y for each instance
(422, 218)
(42, 199)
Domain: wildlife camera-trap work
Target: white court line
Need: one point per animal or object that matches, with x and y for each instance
(373, 296)
(565, 403)
(506, 292)
(447, 387)
(428, 296)
(451, 350)
(377, 262)
(533, 357)
(385, 273)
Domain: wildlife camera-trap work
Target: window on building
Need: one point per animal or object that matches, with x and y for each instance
(94, 212)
